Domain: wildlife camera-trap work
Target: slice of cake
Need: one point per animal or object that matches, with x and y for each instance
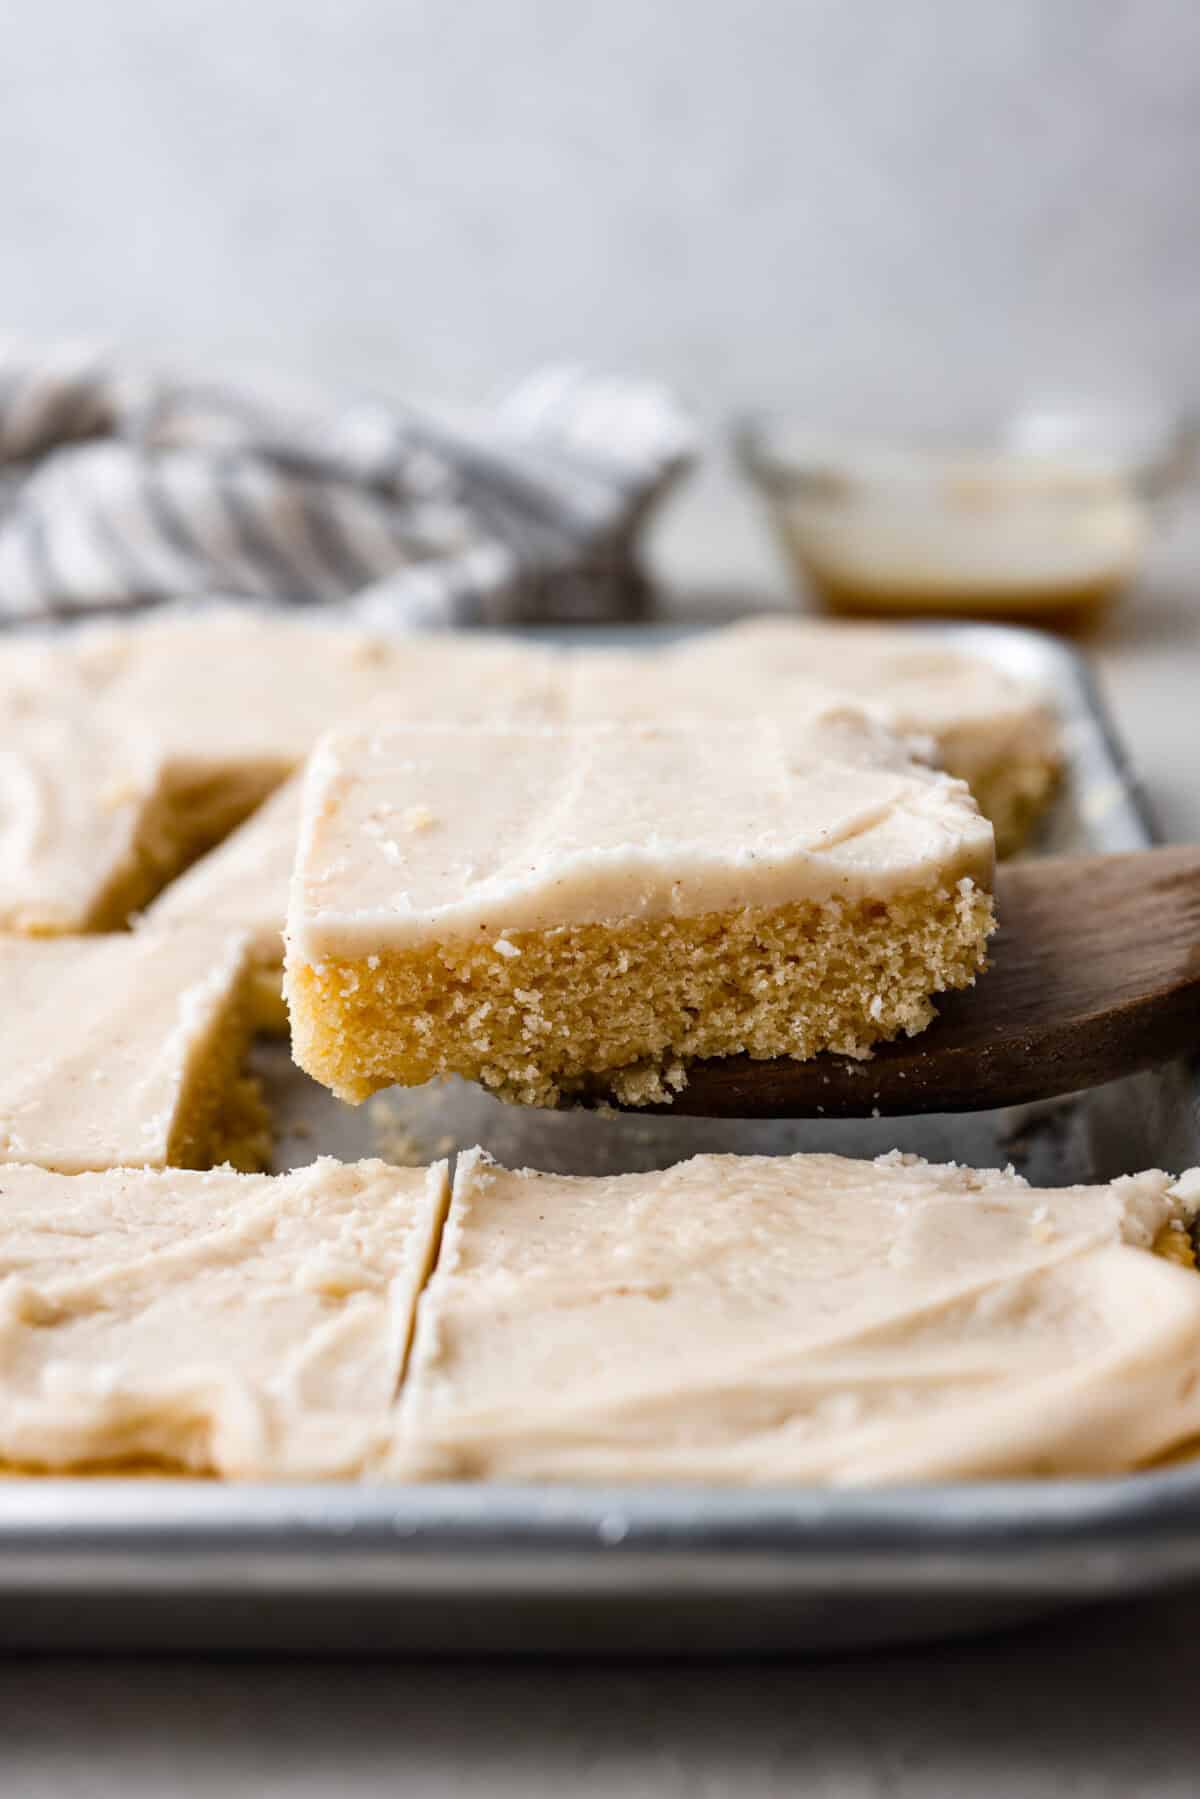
(804, 1320)
(548, 911)
(128, 1050)
(994, 731)
(254, 1327)
(243, 883)
(85, 828)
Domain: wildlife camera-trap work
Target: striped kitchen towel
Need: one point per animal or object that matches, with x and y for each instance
(118, 490)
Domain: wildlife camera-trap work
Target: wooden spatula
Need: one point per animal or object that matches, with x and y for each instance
(1095, 973)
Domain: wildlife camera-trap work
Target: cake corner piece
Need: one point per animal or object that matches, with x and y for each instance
(129, 1050)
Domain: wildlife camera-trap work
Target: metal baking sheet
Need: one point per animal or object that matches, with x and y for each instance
(177, 1564)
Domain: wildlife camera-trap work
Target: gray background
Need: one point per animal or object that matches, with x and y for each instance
(746, 196)
(1077, 1710)
(867, 205)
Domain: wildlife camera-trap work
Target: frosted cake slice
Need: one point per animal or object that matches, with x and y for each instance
(253, 1327)
(544, 911)
(127, 1050)
(804, 1319)
(86, 830)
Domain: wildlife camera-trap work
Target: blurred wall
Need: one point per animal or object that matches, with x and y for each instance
(750, 196)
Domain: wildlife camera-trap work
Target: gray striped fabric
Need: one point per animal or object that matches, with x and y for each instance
(119, 491)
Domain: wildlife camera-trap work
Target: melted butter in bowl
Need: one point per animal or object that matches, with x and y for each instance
(1046, 534)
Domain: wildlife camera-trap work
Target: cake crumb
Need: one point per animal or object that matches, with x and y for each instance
(1187, 1188)
(1041, 1225)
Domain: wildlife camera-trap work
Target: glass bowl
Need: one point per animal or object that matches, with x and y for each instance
(1043, 518)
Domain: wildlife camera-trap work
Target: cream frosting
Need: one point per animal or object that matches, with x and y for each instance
(234, 686)
(410, 836)
(230, 687)
(254, 1327)
(78, 801)
(975, 714)
(800, 1319)
(101, 1037)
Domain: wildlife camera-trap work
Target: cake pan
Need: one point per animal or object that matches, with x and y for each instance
(471, 1569)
